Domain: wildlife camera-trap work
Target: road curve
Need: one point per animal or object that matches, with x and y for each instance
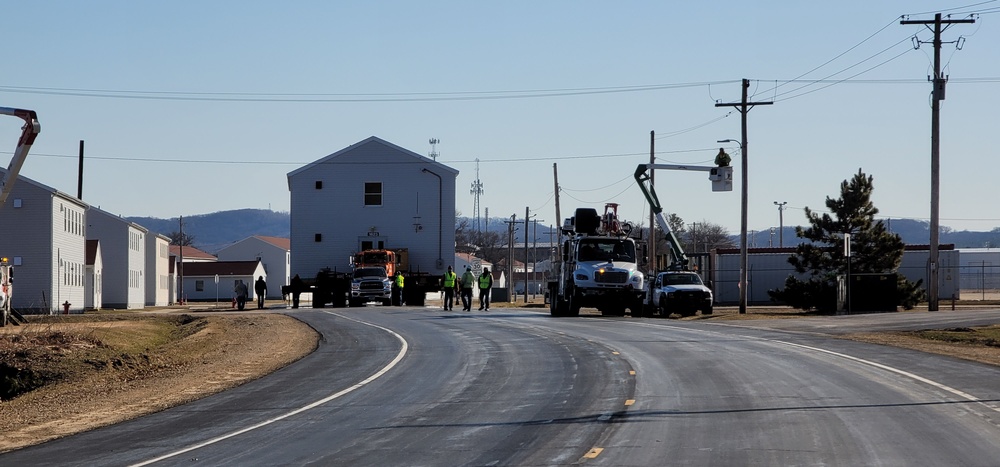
(415, 386)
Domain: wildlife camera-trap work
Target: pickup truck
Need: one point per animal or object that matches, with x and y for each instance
(370, 284)
(681, 292)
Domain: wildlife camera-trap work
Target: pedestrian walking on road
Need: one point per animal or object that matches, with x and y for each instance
(450, 280)
(468, 281)
(260, 288)
(485, 284)
(242, 292)
(297, 286)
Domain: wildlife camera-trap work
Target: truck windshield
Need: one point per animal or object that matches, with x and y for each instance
(681, 279)
(369, 272)
(607, 250)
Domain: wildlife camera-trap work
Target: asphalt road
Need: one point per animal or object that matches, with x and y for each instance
(414, 386)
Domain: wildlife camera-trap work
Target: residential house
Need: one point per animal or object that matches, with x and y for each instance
(94, 269)
(200, 279)
(274, 254)
(180, 255)
(43, 234)
(370, 195)
(123, 249)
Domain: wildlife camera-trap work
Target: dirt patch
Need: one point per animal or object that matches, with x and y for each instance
(88, 371)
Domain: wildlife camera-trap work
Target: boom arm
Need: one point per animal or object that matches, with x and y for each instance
(28, 133)
(680, 259)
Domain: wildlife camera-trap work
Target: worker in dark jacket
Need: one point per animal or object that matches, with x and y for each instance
(260, 288)
(485, 284)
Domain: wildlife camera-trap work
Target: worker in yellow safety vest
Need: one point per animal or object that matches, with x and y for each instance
(449, 288)
(397, 289)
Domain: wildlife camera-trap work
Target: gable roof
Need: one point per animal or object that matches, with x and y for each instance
(68, 197)
(280, 242)
(373, 140)
(92, 247)
(222, 268)
(190, 252)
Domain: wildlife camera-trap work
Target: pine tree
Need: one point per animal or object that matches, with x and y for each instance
(874, 250)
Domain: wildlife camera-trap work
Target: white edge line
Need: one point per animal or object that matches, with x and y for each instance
(888, 368)
(380, 373)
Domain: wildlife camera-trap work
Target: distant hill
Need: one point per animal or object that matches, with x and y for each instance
(215, 231)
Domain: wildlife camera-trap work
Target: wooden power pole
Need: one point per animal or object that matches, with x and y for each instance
(937, 25)
(743, 106)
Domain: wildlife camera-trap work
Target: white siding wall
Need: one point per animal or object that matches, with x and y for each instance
(226, 287)
(275, 260)
(29, 238)
(338, 213)
(766, 271)
(69, 242)
(157, 270)
(94, 280)
(123, 246)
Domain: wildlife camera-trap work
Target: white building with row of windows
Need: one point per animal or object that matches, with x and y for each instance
(69, 255)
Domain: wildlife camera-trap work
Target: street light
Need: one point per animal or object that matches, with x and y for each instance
(743, 225)
(781, 222)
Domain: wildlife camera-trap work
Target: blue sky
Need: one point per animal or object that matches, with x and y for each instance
(196, 107)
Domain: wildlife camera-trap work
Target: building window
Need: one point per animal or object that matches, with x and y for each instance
(373, 193)
(319, 184)
(319, 238)
(199, 286)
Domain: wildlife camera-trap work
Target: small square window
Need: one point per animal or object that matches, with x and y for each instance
(319, 184)
(373, 193)
(17, 202)
(199, 286)
(319, 238)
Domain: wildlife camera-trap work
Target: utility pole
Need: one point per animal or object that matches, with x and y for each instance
(555, 178)
(781, 222)
(937, 95)
(652, 222)
(743, 106)
(527, 217)
(510, 258)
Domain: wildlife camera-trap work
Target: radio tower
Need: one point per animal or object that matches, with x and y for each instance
(477, 189)
(434, 153)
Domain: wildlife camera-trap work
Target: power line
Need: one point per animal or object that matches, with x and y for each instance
(345, 97)
(457, 161)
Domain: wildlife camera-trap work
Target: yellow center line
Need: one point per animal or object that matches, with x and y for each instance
(631, 372)
(615, 353)
(593, 453)
(629, 402)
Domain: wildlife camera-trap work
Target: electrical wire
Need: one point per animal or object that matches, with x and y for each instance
(883, 28)
(686, 130)
(342, 98)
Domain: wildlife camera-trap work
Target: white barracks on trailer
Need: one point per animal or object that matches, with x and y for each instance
(28, 133)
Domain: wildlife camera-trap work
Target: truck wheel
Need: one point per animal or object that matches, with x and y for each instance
(573, 307)
(662, 308)
(707, 311)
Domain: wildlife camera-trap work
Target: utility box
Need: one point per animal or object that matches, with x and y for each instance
(722, 178)
(868, 293)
